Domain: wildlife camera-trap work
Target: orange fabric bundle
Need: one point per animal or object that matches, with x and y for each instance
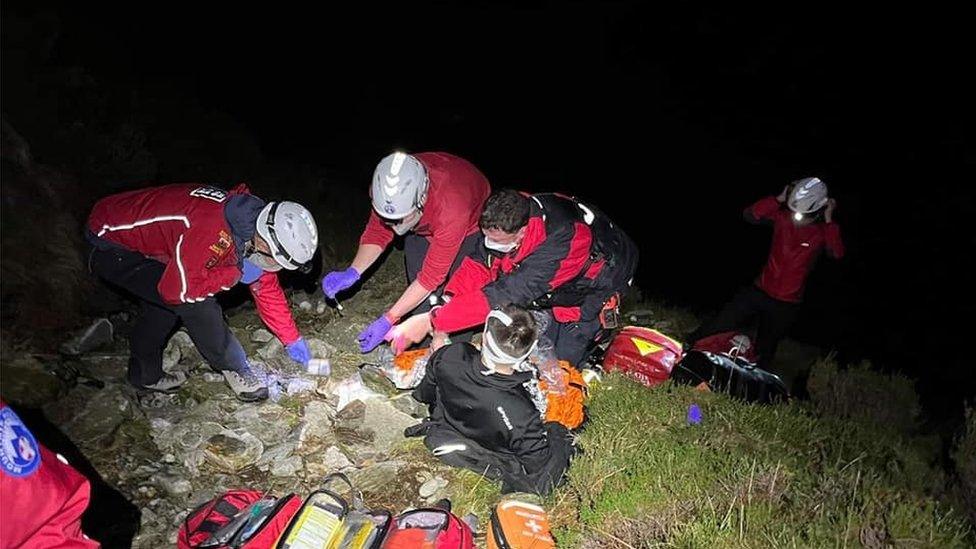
(405, 360)
(566, 408)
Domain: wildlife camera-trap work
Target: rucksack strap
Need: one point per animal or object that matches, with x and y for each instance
(496, 530)
(357, 495)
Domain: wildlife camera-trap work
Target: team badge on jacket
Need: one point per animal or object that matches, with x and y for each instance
(219, 248)
(19, 453)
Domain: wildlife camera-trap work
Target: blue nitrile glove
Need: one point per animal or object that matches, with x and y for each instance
(299, 352)
(374, 333)
(336, 281)
(251, 272)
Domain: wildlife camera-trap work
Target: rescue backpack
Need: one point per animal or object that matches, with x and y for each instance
(248, 519)
(517, 524)
(644, 354)
(226, 521)
(428, 528)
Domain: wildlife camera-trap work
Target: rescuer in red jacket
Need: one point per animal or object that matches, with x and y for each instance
(433, 200)
(803, 227)
(42, 496)
(548, 252)
(175, 247)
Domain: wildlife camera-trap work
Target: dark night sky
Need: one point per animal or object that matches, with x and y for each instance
(671, 119)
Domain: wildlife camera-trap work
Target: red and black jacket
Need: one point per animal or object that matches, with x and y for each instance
(195, 230)
(571, 259)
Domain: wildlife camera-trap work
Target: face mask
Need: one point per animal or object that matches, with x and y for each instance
(259, 259)
(406, 224)
(498, 247)
(264, 262)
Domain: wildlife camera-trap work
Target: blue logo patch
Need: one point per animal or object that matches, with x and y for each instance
(19, 453)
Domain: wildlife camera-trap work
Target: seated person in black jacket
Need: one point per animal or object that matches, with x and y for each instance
(482, 417)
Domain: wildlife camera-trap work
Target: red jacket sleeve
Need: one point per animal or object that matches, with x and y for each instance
(444, 246)
(832, 240)
(462, 312)
(763, 210)
(63, 528)
(43, 508)
(273, 308)
(468, 305)
(376, 232)
(470, 276)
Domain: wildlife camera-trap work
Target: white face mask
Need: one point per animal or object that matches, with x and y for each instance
(408, 223)
(498, 247)
(264, 262)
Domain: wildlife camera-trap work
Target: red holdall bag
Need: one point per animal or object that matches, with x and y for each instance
(643, 354)
(239, 519)
(428, 528)
(733, 344)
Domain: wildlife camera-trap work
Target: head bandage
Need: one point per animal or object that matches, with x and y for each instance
(493, 353)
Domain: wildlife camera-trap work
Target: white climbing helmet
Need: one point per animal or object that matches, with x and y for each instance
(399, 186)
(289, 230)
(807, 196)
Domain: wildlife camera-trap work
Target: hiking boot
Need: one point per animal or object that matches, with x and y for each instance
(246, 384)
(168, 383)
(418, 430)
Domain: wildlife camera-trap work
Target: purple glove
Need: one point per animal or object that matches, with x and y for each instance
(336, 281)
(374, 333)
(299, 352)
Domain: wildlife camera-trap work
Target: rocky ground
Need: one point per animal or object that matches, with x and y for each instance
(168, 453)
(154, 458)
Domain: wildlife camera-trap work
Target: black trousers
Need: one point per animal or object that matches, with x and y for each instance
(415, 249)
(775, 319)
(574, 341)
(204, 320)
(505, 467)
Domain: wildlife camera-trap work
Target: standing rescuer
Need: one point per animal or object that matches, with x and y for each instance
(431, 199)
(803, 227)
(175, 247)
